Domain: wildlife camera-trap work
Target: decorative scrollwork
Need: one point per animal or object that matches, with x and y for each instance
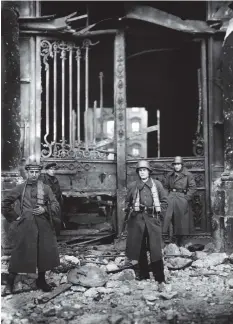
(63, 150)
(46, 52)
(198, 145)
(197, 208)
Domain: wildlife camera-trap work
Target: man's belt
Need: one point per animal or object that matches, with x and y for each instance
(179, 190)
(149, 210)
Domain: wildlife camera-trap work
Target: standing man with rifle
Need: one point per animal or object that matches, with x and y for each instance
(146, 204)
(33, 232)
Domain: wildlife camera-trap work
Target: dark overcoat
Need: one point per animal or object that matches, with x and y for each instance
(35, 244)
(138, 221)
(53, 183)
(179, 203)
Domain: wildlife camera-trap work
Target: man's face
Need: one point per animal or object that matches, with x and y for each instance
(33, 174)
(143, 173)
(177, 167)
(51, 172)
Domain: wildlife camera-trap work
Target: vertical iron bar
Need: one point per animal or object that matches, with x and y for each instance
(78, 56)
(86, 91)
(70, 96)
(101, 105)
(55, 94)
(200, 100)
(38, 100)
(63, 53)
(47, 100)
(94, 121)
(158, 132)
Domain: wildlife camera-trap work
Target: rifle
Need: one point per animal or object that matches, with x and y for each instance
(128, 214)
(50, 215)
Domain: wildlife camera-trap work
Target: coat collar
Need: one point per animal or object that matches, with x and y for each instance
(140, 184)
(182, 174)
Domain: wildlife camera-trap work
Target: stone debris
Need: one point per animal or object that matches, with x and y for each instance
(127, 274)
(230, 283)
(178, 263)
(191, 294)
(172, 249)
(231, 258)
(185, 252)
(213, 259)
(88, 276)
(200, 255)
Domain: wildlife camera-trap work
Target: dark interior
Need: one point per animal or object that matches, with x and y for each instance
(161, 69)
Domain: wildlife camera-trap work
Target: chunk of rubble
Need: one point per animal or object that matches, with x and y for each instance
(201, 255)
(210, 247)
(91, 293)
(88, 276)
(211, 260)
(178, 263)
(127, 274)
(230, 283)
(195, 247)
(185, 252)
(111, 266)
(231, 258)
(168, 296)
(150, 296)
(171, 249)
(72, 259)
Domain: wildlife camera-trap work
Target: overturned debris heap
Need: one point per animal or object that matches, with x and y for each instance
(97, 285)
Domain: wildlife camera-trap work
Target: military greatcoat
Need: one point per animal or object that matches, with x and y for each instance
(179, 203)
(53, 183)
(34, 237)
(138, 220)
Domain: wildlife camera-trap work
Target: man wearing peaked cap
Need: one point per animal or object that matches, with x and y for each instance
(147, 202)
(32, 229)
(51, 180)
(181, 187)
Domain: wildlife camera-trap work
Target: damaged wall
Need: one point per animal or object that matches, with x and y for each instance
(222, 188)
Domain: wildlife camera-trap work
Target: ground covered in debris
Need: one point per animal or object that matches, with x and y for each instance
(93, 290)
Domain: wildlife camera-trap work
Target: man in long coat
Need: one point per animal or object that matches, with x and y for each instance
(32, 230)
(51, 180)
(181, 187)
(146, 202)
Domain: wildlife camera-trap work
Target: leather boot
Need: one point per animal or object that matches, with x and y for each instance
(42, 284)
(10, 284)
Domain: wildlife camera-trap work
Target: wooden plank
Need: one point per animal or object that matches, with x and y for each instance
(143, 132)
(120, 123)
(57, 291)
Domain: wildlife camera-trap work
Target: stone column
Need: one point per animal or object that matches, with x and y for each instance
(120, 127)
(227, 177)
(11, 153)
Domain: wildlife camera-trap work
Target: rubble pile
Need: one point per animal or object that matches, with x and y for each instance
(98, 286)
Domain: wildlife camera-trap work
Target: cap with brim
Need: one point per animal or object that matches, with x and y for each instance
(33, 166)
(50, 165)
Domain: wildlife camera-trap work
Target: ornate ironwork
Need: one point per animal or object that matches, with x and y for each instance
(198, 145)
(62, 148)
(197, 208)
(198, 141)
